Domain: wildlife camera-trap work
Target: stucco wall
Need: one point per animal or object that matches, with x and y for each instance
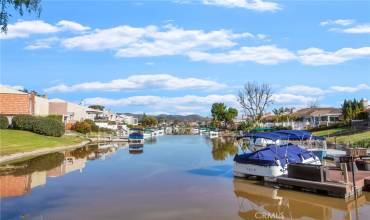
(57, 108)
(79, 112)
(41, 106)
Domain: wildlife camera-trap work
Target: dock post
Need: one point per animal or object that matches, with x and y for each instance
(345, 172)
(353, 177)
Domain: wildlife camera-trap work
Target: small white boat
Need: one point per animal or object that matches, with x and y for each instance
(213, 134)
(160, 132)
(272, 161)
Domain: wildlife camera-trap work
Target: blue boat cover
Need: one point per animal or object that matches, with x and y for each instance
(285, 154)
(136, 136)
(285, 135)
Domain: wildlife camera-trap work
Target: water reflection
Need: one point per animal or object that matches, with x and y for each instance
(179, 177)
(222, 148)
(256, 200)
(19, 178)
(136, 148)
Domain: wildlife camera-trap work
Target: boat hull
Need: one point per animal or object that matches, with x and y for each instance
(243, 170)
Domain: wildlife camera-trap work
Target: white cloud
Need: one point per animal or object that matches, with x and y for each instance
(167, 104)
(286, 98)
(23, 29)
(350, 89)
(136, 82)
(265, 54)
(71, 26)
(354, 29)
(16, 87)
(130, 41)
(256, 5)
(341, 22)
(42, 43)
(317, 56)
(111, 38)
(304, 90)
(358, 29)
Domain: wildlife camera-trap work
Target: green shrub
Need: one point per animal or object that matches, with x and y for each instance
(324, 127)
(94, 127)
(49, 127)
(40, 125)
(4, 123)
(23, 122)
(56, 117)
(363, 143)
(83, 127)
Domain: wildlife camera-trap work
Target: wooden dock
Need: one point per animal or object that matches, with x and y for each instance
(335, 183)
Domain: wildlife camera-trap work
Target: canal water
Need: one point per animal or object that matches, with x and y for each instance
(172, 177)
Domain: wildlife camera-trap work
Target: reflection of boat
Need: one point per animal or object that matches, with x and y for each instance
(107, 145)
(136, 135)
(136, 148)
(272, 161)
(256, 200)
(213, 134)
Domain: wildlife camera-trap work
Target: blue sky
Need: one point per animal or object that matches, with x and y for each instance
(180, 56)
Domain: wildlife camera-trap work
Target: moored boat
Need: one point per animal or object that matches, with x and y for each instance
(136, 135)
(303, 139)
(272, 161)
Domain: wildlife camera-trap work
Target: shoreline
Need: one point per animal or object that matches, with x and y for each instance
(42, 151)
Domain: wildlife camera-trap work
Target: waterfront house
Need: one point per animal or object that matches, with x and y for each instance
(127, 119)
(14, 102)
(71, 112)
(306, 118)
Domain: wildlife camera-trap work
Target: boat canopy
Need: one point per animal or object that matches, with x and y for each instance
(285, 135)
(267, 135)
(269, 156)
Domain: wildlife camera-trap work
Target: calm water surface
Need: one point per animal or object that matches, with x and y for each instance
(174, 177)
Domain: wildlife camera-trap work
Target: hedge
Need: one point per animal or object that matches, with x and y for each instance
(83, 127)
(4, 123)
(325, 127)
(363, 143)
(56, 117)
(40, 125)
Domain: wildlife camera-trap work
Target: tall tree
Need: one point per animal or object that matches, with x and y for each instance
(222, 115)
(352, 109)
(148, 121)
(254, 98)
(218, 111)
(97, 107)
(20, 6)
(230, 115)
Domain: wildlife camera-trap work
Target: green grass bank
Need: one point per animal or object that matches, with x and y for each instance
(16, 141)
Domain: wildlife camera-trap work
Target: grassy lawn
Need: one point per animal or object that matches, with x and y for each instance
(352, 138)
(330, 132)
(15, 141)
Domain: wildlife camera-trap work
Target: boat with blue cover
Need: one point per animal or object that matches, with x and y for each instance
(136, 135)
(272, 161)
(304, 139)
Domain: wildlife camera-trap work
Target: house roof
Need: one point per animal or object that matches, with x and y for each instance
(305, 112)
(8, 90)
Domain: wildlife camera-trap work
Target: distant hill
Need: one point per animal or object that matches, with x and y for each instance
(173, 117)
